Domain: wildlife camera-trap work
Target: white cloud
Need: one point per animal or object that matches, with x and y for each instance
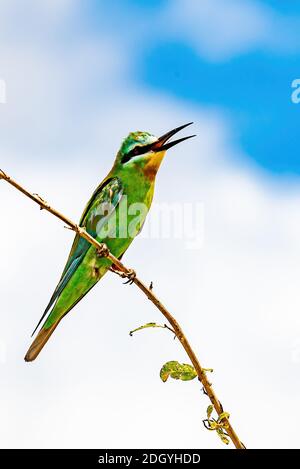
(221, 29)
(43, 72)
(237, 298)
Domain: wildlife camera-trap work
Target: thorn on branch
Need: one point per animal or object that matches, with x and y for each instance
(45, 204)
(170, 329)
(151, 286)
(3, 175)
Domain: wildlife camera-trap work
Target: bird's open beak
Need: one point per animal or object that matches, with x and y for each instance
(162, 145)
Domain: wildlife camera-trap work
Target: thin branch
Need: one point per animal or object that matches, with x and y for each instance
(129, 273)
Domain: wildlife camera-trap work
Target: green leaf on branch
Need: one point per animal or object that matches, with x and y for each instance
(149, 324)
(219, 425)
(176, 370)
(209, 411)
(223, 436)
(152, 324)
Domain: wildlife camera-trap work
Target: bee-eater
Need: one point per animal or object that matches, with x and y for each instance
(107, 217)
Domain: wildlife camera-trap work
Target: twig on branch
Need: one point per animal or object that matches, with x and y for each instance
(122, 270)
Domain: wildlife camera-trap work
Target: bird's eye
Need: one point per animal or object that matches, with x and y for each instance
(136, 150)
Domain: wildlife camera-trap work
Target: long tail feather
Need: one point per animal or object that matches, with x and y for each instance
(39, 342)
(45, 334)
(62, 283)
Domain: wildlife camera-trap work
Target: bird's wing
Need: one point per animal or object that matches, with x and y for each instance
(109, 191)
(101, 205)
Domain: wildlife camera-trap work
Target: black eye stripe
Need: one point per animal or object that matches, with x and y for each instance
(137, 150)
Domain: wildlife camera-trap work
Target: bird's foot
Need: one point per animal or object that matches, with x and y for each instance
(103, 252)
(113, 268)
(130, 275)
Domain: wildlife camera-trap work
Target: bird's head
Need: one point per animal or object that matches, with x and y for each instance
(143, 151)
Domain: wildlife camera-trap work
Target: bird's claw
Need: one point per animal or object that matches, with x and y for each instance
(103, 252)
(130, 275)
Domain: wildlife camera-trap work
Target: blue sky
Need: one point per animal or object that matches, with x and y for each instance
(252, 87)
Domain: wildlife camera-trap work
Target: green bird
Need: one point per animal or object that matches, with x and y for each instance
(114, 215)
